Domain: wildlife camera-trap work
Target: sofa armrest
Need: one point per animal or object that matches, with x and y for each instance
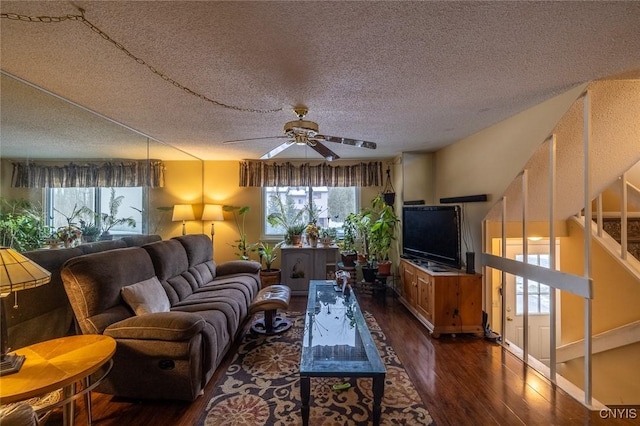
(167, 326)
(238, 267)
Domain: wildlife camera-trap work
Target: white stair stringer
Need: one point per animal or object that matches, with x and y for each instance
(602, 342)
(631, 264)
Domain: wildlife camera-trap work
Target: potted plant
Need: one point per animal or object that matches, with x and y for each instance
(239, 214)
(90, 231)
(313, 234)
(71, 234)
(109, 220)
(328, 236)
(348, 245)
(294, 234)
(269, 254)
(381, 229)
(288, 218)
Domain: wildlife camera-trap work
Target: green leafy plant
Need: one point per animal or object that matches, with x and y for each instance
(241, 245)
(289, 219)
(380, 226)
(268, 253)
(22, 225)
(109, 220)
(90, 230)
(294, 232)
(351, 230)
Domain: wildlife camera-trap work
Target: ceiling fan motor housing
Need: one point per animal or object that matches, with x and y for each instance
(301, 131)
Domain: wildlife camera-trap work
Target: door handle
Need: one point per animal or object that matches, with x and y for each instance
(509, 319)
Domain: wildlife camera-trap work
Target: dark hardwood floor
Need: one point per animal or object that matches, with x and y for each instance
(463, 380)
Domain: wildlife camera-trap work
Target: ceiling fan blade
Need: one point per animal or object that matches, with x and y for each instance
(275, 151)
(324, 151)
(347, 141)
(253, 139)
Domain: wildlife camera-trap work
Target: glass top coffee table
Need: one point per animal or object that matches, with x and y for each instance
(337, 343)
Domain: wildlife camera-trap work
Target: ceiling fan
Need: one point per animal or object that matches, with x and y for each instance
(304, 132)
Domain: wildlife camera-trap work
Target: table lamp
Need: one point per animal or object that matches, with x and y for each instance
(212, 212)
(183, 212)
(16, 273)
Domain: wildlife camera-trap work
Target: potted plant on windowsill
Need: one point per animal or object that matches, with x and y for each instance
(288, 218)
(268, 254)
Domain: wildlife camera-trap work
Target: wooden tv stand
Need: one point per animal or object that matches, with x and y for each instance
(448, 302)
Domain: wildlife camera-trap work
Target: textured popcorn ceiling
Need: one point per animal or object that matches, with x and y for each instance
(614, 147)
(411, 76)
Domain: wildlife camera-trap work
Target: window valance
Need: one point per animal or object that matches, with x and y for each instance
(258, 173)
(108, 174)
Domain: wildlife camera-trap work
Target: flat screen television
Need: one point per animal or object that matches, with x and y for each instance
(432, 234)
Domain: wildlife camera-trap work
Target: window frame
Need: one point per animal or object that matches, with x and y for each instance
(310, 197)
(141, 227)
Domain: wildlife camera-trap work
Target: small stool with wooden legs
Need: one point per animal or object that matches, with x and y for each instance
(269, 300)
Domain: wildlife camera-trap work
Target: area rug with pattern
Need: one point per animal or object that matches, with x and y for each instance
(262, 387)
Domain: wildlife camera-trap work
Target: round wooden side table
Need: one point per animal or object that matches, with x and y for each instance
(60, 363)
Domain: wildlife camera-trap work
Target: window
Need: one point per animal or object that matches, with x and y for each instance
(330, 205)
(61, 202)
(539, 299)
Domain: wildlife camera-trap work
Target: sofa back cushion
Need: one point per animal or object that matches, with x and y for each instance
(93, 283)
(97, 246)
(198, 248)
(170, 262)
(140, 240)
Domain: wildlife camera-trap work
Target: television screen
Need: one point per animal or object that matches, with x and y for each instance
(432, 233)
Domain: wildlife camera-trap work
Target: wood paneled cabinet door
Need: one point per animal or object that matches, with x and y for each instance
(409, 285)
(424, 303)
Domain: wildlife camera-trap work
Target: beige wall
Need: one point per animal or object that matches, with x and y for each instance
(616, 373)
(616, 291)
(488, 161)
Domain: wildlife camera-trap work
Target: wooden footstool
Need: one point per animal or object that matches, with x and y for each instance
(269, 300)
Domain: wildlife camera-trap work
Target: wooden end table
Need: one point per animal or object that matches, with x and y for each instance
(60, 363)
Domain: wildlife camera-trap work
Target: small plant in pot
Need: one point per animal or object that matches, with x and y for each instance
(268, 254)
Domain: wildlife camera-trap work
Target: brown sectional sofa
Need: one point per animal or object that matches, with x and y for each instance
(44, 312)
(171, 342)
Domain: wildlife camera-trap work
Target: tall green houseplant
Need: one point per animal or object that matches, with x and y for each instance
(241, 245)
(381, 228)
(109, 220)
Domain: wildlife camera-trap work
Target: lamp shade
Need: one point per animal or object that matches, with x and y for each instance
(183, 212)
(212, 212)
(18, 272)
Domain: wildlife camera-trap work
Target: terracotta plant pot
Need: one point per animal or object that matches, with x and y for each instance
(384, 268)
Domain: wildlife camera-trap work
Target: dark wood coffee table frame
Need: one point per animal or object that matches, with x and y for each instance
(365, 363)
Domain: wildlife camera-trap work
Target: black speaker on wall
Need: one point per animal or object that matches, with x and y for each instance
(471, 262)
(465, 199)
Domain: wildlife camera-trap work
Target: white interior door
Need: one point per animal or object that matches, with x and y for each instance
(539, 306)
